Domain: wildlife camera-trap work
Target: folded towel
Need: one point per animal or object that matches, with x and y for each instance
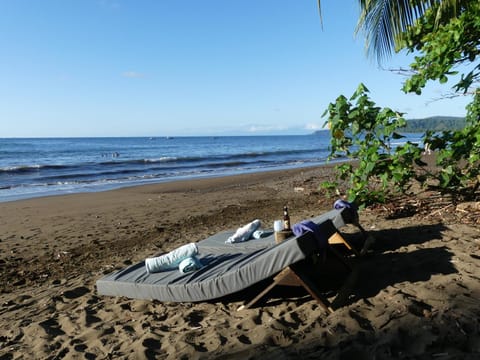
(244, 233)
(172, 259)
(189, 264)
(309, 226)
(257, 234)
(352, 209)
(341, 204)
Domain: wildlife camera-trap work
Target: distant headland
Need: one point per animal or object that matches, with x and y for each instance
(433, 123)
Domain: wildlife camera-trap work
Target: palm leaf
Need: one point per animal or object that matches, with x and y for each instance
(384, 21)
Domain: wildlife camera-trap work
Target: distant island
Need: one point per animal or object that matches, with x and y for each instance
(433, 123)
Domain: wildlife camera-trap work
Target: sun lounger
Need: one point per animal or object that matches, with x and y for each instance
(216, 244)
(228, 268)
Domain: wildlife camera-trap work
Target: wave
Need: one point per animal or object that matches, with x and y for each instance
(208, 158)
(139, 175)
(116, 172)
(34, 168)
(152, 171)
(31, 168)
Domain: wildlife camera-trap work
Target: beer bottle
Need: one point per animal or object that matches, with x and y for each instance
(286, 219)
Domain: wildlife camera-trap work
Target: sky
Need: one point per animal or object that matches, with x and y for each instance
(72, 68)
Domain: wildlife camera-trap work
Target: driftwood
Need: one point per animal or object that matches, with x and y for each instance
(431, 205)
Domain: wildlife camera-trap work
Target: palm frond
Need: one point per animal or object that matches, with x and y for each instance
(383, 21)
(320, 11)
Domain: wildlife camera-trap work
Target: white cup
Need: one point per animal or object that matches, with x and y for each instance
(277, 225)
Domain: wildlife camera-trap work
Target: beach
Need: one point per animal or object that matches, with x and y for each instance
(414, 294)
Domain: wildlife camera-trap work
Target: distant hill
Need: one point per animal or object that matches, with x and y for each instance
(434, 123)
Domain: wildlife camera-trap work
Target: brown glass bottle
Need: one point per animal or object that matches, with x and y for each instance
(286, 219)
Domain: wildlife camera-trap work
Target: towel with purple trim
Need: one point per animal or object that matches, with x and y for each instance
(352, 209)
(309, 226)
(341, 204)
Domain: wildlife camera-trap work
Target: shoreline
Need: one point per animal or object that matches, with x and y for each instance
(415, 294)
(111, 187)
(47, 167)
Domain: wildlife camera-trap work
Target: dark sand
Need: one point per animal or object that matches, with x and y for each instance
(416, 294)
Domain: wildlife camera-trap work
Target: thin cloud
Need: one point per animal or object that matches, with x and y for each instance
(266, 128)
(133, 74)
(313, 126)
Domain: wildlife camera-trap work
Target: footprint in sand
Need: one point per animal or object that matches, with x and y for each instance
(90, 317)
(200, 347)
(80, 347)
(76, 293)
(194, 318)
(363, 322)
(52, 328)
(152, 348)
(244, 339)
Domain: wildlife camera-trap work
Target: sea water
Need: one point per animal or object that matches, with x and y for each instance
(48, 166)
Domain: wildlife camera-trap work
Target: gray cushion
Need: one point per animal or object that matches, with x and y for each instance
(228, 268)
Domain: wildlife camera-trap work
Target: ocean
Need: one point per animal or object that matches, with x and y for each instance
(49, 166)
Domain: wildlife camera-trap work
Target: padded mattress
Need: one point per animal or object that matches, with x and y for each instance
(221, 275)
(228, 268)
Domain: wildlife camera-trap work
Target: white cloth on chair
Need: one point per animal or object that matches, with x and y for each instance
(244, 233)
(172, 259)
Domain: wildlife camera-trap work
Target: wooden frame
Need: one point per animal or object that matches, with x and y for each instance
(296, 275)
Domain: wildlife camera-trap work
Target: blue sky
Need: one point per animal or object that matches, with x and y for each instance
(173, 67)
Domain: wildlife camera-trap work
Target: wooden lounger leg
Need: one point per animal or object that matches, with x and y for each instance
(292, 276)
(342, 258)
(280, 279)
(362, 230)
(296, 275)
(311, 287)
(338, 239)
(334, 237)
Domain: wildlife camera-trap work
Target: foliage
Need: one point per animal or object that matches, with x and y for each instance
(442, 49)
(443, 35)
(362, 131)
(458, 155)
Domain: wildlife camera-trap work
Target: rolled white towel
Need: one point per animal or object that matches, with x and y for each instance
(244, 233)
(172, 259)
(189, 264)
(258, 234)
